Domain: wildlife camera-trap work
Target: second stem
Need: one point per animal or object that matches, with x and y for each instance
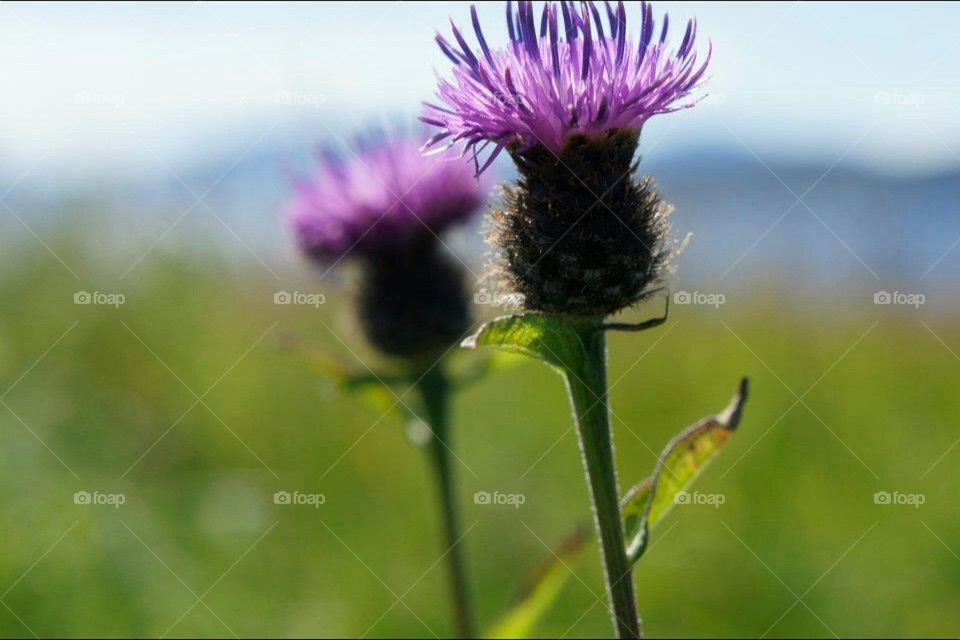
(434, 389)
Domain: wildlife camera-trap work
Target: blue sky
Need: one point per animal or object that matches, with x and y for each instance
(114, 84)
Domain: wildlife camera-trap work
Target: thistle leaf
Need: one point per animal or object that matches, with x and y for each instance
(633, 507)
(378, 391)
(475, 368)
(542, 589)
(553, 339)
(647, 503)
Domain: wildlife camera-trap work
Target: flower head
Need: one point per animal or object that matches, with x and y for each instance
(382, 197)
(570, 76)
(386, 206)
(581, 233)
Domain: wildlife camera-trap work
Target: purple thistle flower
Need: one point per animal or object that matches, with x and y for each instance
(386, 204)
(560, 79)
(384, 196)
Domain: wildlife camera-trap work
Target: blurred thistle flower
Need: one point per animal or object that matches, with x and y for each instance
(382, 196)
(581, 233)
(384, 206)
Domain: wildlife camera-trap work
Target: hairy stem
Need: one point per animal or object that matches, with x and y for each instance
(587, 384)
(434, 389)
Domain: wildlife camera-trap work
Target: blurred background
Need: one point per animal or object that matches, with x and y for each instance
(145, 157)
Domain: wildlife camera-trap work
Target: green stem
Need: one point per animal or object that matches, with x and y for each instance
(587, 384)
(434, 389)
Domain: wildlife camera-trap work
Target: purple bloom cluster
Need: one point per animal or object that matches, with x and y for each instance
(385, 195)
(569, 76)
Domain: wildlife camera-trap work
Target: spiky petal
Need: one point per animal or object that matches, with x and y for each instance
(560, 80)
(382, 195)
(385, 204)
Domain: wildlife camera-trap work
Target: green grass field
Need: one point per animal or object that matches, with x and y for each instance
(188, 400)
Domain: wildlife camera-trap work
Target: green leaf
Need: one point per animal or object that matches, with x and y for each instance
(378, 394)
(553, 339)
(379, 391)
(647, 503)
(634, 507)
(541, 590)
(476, 368)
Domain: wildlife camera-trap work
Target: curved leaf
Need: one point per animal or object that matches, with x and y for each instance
(478, 368)
(378, 391)
(553, 339)
(684, 458)
(542, 589)
(633, 507)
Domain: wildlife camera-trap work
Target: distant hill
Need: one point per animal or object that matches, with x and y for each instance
(851, 228)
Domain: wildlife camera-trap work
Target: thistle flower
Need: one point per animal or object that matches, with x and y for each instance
(381, 197)
(581, 233)
(385, 206)
(563, 80)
